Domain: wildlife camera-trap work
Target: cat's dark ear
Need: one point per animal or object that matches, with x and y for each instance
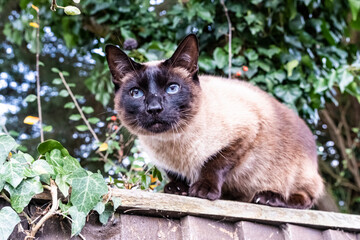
(120, 64)
(186, 55)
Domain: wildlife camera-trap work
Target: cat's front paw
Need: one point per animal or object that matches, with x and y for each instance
(205, 189)
(177, 188)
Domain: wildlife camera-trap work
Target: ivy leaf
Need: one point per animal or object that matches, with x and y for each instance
(49, 145)
(116, 201)
(14, 172)
(7, 144)
(205, 15)
(355, 8)
(87, 190)
(251, 55)
(290, 67)
(78, 220)
(60, 181)
(289, 93)
(345, 79)
(100, 207)
(41, 167)
(8, 220)
(21, 196)
(220, 57)
(104, 217)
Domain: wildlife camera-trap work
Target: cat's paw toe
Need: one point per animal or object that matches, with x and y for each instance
(204, 189)
(269, 198)
(177, 188)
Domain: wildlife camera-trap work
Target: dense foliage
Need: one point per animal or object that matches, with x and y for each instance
(303, 52)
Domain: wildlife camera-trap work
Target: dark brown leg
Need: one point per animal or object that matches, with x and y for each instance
(213, 175)
(177, 185)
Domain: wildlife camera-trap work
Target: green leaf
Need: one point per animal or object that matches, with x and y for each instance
(104, 217)
(355, 8)
(60, 181)
(14, 172)
(55, 70)
(78, 220)
(269, 52)
(87, 190)
(71, 10)
(117, 201)
(64, 207)
(8, 220)
(220, 57)
(70, 105)
(87, 110)
(47, 128)
(345, 79)
(289, 93)
(63, 93)
(320, 85)
(251, 55)
(57, 81)
(21, 196)
(75, 117)
(82, 128)
(41, 167)
(100, 207)
(30, 98)
(205, 15)
(7, 144)
(49, 145)
(93, 120)
(290, 67)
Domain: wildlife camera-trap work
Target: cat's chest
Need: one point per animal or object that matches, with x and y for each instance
(184, 155)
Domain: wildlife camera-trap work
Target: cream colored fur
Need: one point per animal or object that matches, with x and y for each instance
(231, 110)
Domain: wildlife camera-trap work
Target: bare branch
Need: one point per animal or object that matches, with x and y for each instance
(51, 212)
(78, 107)
(230, 34)
(38, 76)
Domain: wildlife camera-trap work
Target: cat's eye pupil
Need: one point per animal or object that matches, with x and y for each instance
(136, 93)
(173, 88)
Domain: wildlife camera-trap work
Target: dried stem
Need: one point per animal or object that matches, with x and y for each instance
(51, 212)
(230, 34)
(53, 5)
(38, 76)
(78, 107)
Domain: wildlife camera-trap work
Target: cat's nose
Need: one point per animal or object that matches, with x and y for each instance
(154, 107)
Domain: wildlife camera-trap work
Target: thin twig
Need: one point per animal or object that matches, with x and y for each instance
(5, 130)
(38, 76)
(230, 34)
(51, 212)
(78, 107)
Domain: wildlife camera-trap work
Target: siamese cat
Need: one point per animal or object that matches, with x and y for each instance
(215, 137)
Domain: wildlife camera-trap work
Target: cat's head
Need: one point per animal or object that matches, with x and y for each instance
(156, 97)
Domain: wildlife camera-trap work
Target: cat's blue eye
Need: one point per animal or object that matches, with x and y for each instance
(136, 93)
(173, 88)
